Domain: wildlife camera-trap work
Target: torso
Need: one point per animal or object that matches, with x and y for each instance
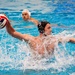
(42, 45)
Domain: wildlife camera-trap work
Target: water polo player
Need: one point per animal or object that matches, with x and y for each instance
(39, 44)
(26, 15)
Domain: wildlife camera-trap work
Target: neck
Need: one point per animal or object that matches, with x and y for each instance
(42, 35)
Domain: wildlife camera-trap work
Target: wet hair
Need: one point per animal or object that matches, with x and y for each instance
(41, 26)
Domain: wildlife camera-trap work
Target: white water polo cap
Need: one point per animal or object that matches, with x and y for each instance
(3, 21)
(27, 11)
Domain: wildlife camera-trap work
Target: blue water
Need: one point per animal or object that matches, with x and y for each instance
(13, 53)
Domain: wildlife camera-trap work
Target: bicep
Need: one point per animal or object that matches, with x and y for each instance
(21, 36)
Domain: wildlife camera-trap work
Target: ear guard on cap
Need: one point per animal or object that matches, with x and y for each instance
(40, 28)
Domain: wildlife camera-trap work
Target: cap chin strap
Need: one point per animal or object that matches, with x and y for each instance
(44, 34)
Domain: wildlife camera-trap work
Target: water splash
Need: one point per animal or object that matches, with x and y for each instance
(19, 56)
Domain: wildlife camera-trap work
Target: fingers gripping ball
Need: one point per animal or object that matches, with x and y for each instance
(3, 21)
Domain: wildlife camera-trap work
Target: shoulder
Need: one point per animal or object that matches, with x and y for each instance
(34, 21)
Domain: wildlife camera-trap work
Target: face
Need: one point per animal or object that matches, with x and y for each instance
(25, 16)
(48, 29)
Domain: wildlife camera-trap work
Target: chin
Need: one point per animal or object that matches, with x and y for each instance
(48, 33)
(25, 19)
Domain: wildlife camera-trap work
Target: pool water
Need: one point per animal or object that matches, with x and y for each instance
(15, 56)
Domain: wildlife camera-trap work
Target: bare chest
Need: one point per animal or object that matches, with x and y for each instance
(41, 45)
